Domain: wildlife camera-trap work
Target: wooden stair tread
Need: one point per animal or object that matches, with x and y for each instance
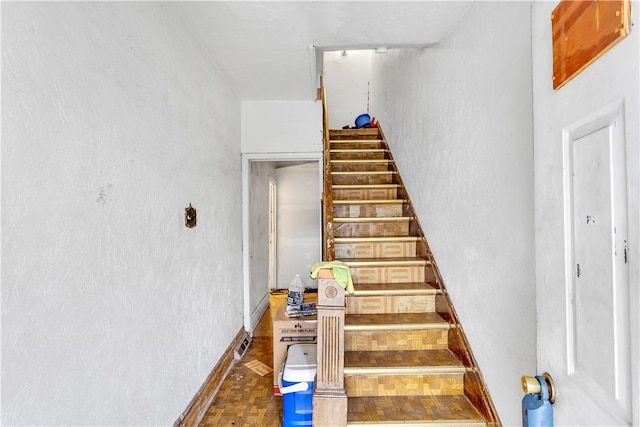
(372, 219)
(361, 161)
(356, 150)
(433, 411)
(355, 140)
(355, 132)
(384, 239)
(364, 173)
(384, 262)
(402, 362)
(395, 321)
(392, 289)
(368, 201)
(364, 186)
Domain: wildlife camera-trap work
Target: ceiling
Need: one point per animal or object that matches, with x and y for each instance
(268, 50)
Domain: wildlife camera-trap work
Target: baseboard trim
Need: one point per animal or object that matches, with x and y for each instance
(259, 311)
(197, 409)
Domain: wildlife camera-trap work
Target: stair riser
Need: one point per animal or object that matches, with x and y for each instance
(386, 178)
(355, 145)
(365, 194)
(367, 210)
(372, 229)
(404, 385)
(358, 155)
(376, 250)
(359, 167)
(421, 339)
(379, 304)
(360, 133)
(390, 274)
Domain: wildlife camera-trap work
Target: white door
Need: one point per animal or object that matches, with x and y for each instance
(586, 167)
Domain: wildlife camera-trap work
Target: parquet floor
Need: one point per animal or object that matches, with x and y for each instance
(246, 398)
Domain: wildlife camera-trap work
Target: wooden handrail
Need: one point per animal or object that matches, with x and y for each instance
(328, 246)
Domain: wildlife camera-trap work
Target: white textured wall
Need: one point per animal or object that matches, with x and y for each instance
(281, 126)
(346, 78)
(458, 119)
(262, 173)
(113, 121)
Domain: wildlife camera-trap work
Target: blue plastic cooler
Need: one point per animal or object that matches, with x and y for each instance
(296, 385)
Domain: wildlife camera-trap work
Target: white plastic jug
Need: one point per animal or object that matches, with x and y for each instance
(296, 291)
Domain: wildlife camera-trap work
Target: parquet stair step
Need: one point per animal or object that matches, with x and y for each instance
(363, 220)
(402, 362)
(357, 150)
(372, 226)
(358, 173)
(360, 165)
(368, 177)
(403, 373)
(387, 270)
(360, 133)
(368, 208)
(396, 340)
(386, 262)
(357, 153)
(354, 133)
(365, 192)
(381, 304)
(369, 201)
(376, 289)
(400, 411)
(394, 322)
(356, 140)
(376, 247)
(355, 143)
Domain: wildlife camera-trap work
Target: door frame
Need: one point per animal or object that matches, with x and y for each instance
(251, 317)
(273, 232)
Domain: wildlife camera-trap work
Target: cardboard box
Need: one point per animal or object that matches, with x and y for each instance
(287, 331)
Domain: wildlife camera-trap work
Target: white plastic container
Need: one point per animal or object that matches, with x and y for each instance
(296, 291)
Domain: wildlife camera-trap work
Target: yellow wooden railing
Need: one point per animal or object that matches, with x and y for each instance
(328, 247)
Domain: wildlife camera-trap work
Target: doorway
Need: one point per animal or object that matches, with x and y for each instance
(282, 196)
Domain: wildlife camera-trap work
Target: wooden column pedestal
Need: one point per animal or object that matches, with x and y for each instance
(330, 397)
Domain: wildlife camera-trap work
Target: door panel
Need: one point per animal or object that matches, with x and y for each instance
(598, 328)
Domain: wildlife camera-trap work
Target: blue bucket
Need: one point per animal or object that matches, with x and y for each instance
(363, 120)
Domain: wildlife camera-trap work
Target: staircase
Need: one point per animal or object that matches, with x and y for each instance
(406, 359)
